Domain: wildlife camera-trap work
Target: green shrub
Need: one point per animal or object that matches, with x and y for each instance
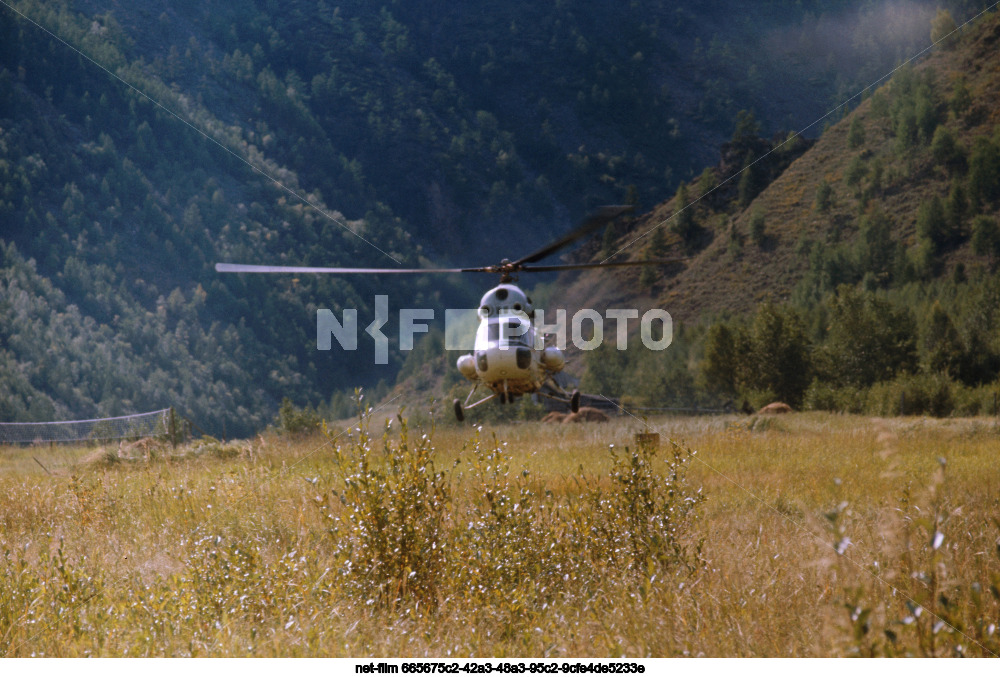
(823, 396)
(293, 420)
(388, 528)
(912, 395)
(760, 398)
(984, 171)
(976, 401)
(961, 98)
(946, 149)
(647, 514)
(856, 133)
(824, 196)
(856, 171)
(405, 532)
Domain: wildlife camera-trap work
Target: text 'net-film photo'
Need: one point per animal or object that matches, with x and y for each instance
(534, 331)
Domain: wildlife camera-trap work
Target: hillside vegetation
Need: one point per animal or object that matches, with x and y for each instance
(862, 277)
(411, 139)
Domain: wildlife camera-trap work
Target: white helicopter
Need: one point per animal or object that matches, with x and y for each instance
(508, 357)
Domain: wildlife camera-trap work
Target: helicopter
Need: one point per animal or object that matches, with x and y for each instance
(510, 357)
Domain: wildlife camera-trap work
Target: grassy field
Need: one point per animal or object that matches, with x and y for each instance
(802, 535)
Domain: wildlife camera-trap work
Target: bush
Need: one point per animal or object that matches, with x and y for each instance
(912, 395)
(937, 606)
(406, 532)
(647, 514)
(856, 133)
(856, 172)
(943, 27)
(981, 401)
(961, 98)
(946, 150)
(823, 396)
(761, 398)
(986, 237)
(390, 533)
(293, 421)
(824, 196)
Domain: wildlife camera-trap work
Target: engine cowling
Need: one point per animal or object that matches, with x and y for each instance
(467, 366)
(553, 359)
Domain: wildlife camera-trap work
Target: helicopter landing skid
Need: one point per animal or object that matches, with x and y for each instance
(460, 408)
(572, 399)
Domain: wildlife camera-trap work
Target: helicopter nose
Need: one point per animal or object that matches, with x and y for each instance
(498, 363)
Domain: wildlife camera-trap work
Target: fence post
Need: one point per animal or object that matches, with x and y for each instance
(172, 427)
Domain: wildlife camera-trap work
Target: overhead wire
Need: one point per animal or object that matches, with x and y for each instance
(798, 134)
(283, 186)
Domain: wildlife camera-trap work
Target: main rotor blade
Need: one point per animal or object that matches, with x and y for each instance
(249, 268)
(601, 217)
(613, 264)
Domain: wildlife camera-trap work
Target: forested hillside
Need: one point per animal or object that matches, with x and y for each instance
(196, 132)
(863, 277)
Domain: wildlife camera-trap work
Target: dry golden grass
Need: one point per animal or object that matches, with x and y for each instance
(236, 550)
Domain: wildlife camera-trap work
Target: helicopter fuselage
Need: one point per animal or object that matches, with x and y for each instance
(509, 357)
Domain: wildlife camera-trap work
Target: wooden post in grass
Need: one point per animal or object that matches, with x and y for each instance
(172, 427)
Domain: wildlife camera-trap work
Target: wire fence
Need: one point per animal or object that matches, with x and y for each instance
(160, 423)
(690, 410)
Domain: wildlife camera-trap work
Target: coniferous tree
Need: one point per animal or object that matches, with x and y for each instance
(869, 339)
(942, 344)
(956, 209)
(746, 130)
(875, 248)
(856, 133)
(932, 224)
(608, 241)
(960, 99)
(658, 244)
(946, 150)
(721, 361)
(943, 27)
(758, 227)
(824, 196)
(684, 222)
(986, 238)
(751, 182)
(777, 359)
(984, 171)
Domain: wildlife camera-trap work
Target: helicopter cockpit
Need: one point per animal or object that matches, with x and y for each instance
(506, 299)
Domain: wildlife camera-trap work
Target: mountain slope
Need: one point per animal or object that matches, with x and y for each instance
(909, 144)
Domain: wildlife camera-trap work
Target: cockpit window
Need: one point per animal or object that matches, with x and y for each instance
(508, 331)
